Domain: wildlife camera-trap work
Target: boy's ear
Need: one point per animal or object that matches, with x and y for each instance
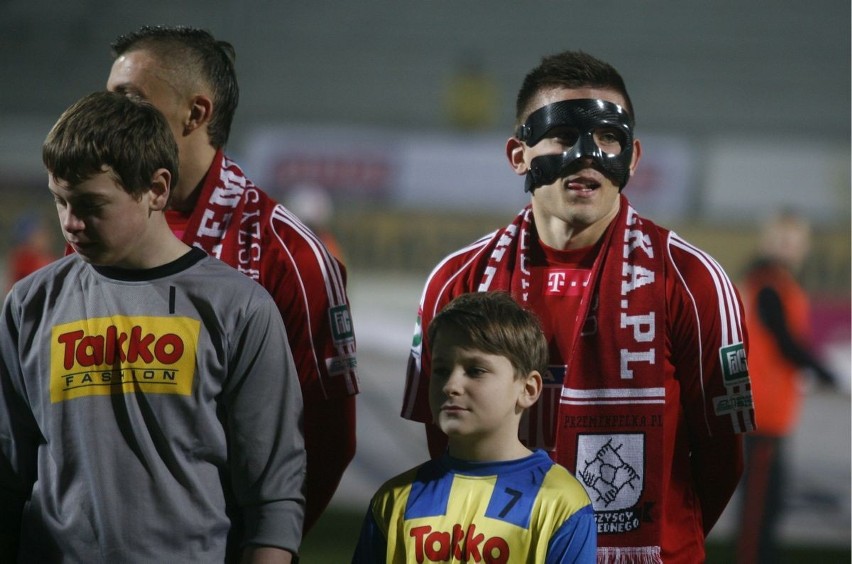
(160, 189)
(533, 384)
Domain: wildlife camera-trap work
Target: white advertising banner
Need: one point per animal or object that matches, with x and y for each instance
(441, 171)
(749, 179)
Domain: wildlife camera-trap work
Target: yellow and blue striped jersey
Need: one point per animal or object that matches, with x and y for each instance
(451, 510)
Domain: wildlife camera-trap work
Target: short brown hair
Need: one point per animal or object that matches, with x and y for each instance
(569, 69)
(496, 324)
(108, 132)
(195, 55)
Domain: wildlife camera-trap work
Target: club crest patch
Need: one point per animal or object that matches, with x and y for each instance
(612, 469)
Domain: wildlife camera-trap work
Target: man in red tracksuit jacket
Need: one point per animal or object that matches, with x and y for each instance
(189, 76)
(648, 391)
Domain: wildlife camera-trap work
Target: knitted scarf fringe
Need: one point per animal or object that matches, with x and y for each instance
(629, 555)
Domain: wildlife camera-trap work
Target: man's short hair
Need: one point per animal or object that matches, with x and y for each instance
(109, 132)
(496, 324)
(196, 55)
(569, 69)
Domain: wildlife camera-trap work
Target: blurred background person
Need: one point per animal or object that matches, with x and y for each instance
(472, 96)
(313, 205)
(32, 247)
(778, 320)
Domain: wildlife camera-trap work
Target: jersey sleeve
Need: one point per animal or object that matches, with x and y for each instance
(415, 403)
(441, 287)
(453, 276)
(372, 544)
(19, 433)
(708, 343)
(575, 541)
(309, 287)
(263, 412)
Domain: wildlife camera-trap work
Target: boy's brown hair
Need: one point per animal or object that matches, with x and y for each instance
(109, 132)
(496, 324)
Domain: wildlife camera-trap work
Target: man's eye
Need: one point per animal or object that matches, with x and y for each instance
(567, 139)
(608, 136)
(134, 95)
(609, 140)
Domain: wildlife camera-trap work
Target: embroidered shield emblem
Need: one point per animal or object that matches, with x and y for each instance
(612, 469)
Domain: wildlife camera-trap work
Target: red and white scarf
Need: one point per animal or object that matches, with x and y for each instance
(228, 201)
(614, 378)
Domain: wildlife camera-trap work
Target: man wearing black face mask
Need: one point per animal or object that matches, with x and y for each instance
(648, 390)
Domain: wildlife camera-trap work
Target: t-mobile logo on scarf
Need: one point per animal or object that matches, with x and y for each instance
(567, 281)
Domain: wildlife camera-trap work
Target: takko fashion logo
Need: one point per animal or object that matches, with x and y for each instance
(463, 545)
(109, 355)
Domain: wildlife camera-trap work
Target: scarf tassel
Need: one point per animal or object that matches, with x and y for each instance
(629, 555)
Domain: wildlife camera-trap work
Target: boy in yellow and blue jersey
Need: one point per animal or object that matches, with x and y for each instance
(488, 498)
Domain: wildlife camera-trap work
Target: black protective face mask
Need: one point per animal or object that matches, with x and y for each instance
(595, 129)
